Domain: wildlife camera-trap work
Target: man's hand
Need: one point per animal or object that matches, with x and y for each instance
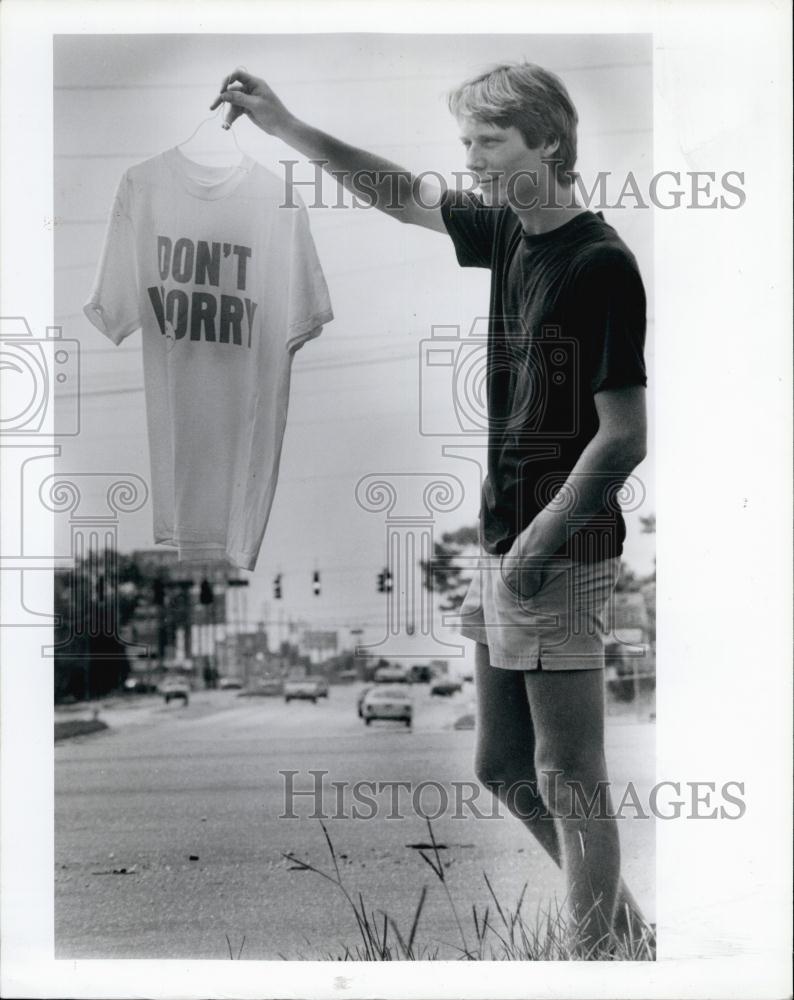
(381, 183)
(251, 96)
(524, 575)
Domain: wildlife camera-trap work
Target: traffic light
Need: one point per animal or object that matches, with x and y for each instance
(316, 584)
(277, 587)
(159, 592)
(206, 595)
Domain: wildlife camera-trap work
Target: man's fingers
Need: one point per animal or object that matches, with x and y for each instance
(238, 98)
(231, 116)
(238, 76)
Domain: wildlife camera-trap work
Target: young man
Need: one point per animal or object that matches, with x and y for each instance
(566, 413)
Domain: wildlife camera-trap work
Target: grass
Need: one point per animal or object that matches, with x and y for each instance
(77, 727)
(492, 932)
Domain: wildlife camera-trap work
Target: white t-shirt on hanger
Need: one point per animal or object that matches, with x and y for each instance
(224, 281)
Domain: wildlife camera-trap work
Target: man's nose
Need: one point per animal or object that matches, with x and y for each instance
(474, 161)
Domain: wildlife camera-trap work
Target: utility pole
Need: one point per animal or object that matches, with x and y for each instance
(236, 584)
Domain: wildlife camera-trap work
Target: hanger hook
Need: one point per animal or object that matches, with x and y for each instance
(216, 114)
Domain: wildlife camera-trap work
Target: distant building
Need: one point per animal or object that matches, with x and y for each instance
(319, 644)
(216, 570)
(159, 558)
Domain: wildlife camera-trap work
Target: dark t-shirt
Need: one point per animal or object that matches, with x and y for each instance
(566, 320)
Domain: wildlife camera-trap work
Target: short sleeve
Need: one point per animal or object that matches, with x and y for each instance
(471, 225)
(112, 306)
(611, 309)
(308, 303)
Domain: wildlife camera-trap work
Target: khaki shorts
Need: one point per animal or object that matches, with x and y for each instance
(561, 627)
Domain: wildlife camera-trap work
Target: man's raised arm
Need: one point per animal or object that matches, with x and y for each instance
(385, 185)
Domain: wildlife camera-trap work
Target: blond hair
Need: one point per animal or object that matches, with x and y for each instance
(529, 98)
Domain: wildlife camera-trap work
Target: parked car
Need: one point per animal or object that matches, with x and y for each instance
(388, 702)
(360, 704)
(175, 688)
(230, 683)
(445, 686)
(392, 675)
(270, 686)
(421, 673)
(137, 685)
(307, 689)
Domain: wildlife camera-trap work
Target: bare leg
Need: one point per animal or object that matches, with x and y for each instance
(505, 759)
(567, 710)
(505, 754)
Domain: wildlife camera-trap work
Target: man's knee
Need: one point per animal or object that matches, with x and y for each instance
(573, 785)
(496, 769)
(491, 769)
(512, 783)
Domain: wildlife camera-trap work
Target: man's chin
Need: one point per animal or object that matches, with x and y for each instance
(490, 195)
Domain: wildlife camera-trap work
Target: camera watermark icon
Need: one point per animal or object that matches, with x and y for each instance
(39, 401)
(539, 376)
(32, 369)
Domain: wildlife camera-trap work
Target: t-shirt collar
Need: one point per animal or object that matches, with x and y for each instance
(202, 181)
(560, 232)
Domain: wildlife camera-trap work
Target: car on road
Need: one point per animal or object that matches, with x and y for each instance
(421, 673)
(306, 689)
(361, 696)
(230, 684)
(392, 675)
(175, 688)
(388, 702)
(138, 685)
(445, 686)
(269, 686)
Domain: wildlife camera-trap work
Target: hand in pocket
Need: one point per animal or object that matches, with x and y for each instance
(523, 575)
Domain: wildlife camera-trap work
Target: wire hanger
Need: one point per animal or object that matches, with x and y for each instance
(213, 117)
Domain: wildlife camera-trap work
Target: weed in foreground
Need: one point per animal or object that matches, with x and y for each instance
(502, 934)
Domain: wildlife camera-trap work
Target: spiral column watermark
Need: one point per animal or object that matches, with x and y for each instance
(94, 502)
(409, 501)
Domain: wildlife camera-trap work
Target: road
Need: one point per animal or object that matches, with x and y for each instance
(168, 833)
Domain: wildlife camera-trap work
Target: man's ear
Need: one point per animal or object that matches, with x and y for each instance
(550, 147)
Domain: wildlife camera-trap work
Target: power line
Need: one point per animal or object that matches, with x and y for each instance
(328, 81)
(364, 339)
(137, 156)
(356, 362)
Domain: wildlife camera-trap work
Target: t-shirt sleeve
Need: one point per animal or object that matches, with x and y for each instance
(611, 306)
(308, 303)
(471, 225)
(112, 306)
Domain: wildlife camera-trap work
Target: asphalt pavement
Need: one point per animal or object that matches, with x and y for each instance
(173, 824)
